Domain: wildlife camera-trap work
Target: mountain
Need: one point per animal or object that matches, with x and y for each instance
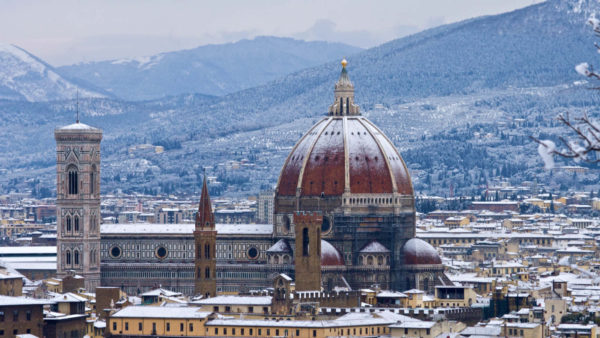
(25, 77)
(438, 88)
(211, 69)
(537, 46)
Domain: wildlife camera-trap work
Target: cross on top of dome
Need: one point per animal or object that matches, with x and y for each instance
(344, 95)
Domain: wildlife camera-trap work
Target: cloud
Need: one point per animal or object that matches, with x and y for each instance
(326, 30)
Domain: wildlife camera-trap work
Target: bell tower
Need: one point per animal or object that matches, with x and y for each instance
(205, 239)
(78, 202)
(307, 257)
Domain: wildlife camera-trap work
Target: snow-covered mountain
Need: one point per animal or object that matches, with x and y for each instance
(439, 88)
(25, 77)
(210, 69)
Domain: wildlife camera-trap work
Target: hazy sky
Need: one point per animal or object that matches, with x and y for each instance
(65, 32)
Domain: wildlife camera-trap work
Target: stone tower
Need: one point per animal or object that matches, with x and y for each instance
(307, 257)
(205, 239)
(78, 202)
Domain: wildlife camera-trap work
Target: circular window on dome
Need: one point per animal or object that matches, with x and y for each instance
(253, 253)
(325, 226)
(115, 252)
(161, 252)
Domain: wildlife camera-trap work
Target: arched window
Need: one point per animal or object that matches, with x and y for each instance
(369, 260)
(199, 251)
(76, 221)
(347, 105)
(380, 260)
(207, 273)
(72, 180)
(93, 180)
(68, 257)
(207, 251)
(305, 242)
(360, 260)
(76, 257)
(68, 223)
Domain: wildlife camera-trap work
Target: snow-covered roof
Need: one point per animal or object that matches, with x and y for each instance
(68, 298)
(160, 312)
(78, 126)
(12, 301)
(281, 246)
(390, 294)
(374, 247)
(36, 266)
(25, 250)
(414, 325)
(100, 324)
(184, 228)
(161, 292)
(286, 277)
(484, 331)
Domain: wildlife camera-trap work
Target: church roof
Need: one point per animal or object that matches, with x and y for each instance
(374, 247)
(417, 251)
(344, 152)
(344, 79)
(78, 126)
(281, 246)
(182, 229)
(330, 256)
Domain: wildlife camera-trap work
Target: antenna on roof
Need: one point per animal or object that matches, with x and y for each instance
(77, 105)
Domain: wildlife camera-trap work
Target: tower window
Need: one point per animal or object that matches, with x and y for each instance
(76, 257)
(72, 181)
(68, 257)
(305, 242)
(207, 273)
(76, 221)
(68, 223)
(207, 251)
(92, 183)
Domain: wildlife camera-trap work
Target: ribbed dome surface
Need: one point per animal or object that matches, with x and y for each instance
(417, 251)
(344, 152)
(330, 256)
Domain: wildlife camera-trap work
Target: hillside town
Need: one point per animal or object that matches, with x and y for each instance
(160, 213)
(514, 273)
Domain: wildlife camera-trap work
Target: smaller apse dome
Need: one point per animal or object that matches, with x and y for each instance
(417, 251)
(330, 256)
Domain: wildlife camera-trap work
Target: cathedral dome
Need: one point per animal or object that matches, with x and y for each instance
(417, 252)
(330, 256)
(344, 153)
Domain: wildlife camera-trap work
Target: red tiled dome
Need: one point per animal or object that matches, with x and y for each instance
(417, 251)
(330, 256)
(339, 148)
